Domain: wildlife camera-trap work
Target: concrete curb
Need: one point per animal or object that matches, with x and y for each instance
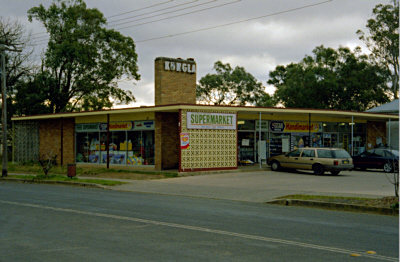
(335, 206)
(49, 182)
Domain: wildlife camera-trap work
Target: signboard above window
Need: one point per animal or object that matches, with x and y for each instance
(201, 120)
(116, 126)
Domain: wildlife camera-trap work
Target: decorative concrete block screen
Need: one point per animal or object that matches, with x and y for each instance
(209, 148)
(26, 141)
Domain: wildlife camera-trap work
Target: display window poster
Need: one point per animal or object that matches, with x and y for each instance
(245, 142)
(202, 120)
(184, 140)
(135, 160)
(110, 157)
(94, 159)
(292, 127)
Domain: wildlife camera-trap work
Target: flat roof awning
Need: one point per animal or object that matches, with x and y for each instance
(239, 109)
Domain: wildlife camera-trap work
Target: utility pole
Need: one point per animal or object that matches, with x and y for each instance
(3, 74)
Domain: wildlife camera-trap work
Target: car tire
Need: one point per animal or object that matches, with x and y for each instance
(388, 167)
(275, 166)
(335, 173)
(319, 170)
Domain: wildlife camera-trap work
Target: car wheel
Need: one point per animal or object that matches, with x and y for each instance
(275, 166)
(388, 167)
(318, 169)
(335, 173)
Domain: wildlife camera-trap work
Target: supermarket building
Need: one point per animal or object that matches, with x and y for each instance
(177, 133)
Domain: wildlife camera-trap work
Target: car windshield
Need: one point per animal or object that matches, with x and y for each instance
(341, 154)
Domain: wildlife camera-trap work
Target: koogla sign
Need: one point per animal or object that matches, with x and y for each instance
(180, 67)
(199, 120)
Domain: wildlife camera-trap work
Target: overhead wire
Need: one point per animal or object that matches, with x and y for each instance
(126, 18)
(232, 23)
(45, 40)
(218, 26)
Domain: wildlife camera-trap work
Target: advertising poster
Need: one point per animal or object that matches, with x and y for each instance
(94, 158)
(109, 158)
(135, 160)
(184, 140)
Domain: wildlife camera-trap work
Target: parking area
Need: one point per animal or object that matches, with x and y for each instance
(257, 185)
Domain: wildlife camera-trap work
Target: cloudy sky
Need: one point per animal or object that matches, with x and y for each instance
(255, 34)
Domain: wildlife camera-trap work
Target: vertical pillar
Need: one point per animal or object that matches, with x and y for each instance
(259, 141)
(352, 135)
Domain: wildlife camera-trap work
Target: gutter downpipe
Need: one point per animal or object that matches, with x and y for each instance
(352, 132)
(259, 141)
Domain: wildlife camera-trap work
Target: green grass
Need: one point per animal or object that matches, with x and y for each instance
(65, 178)
(314, 197)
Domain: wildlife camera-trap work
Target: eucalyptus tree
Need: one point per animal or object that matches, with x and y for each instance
(382, 39)
(83, 60)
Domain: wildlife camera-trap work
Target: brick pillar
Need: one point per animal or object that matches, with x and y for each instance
(175, 81)
(50, 139)
(374, 130)
(166, 141)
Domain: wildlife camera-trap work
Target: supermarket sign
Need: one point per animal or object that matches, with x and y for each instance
(201, 120)
(293, 127)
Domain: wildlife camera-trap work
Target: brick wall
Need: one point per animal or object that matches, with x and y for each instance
(171, 86)
(374, 130)
(50, 139)
(166, 141)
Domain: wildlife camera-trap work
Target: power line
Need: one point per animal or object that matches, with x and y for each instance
(140, 9)
(40, 33)
(233, 23)
(162, 18)
(176, 15)
(152, 12)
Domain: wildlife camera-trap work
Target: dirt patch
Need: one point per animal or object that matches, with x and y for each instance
(132, 176)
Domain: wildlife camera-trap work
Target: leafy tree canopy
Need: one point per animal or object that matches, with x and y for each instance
(382, 39)
(330, 79)
(83, 60)
(231, 87)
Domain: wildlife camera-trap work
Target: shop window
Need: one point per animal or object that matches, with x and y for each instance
(117, 152)
(344, 127)
(330, 127)
(359, 128)
(88, 147)
(148, 142)
(246, 125)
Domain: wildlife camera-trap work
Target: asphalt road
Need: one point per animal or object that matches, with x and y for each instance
(58, 223)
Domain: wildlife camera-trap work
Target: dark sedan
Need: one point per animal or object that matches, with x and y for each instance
(378, 158)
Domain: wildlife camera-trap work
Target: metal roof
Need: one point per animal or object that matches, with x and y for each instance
(391, 107)
(239, 109)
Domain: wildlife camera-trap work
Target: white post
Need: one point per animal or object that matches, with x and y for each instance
(259, 141)
(389, 134)
(352, 129)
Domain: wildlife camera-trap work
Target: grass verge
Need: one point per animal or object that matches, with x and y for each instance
(65, 178)
(385, 202)
(35, 168)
